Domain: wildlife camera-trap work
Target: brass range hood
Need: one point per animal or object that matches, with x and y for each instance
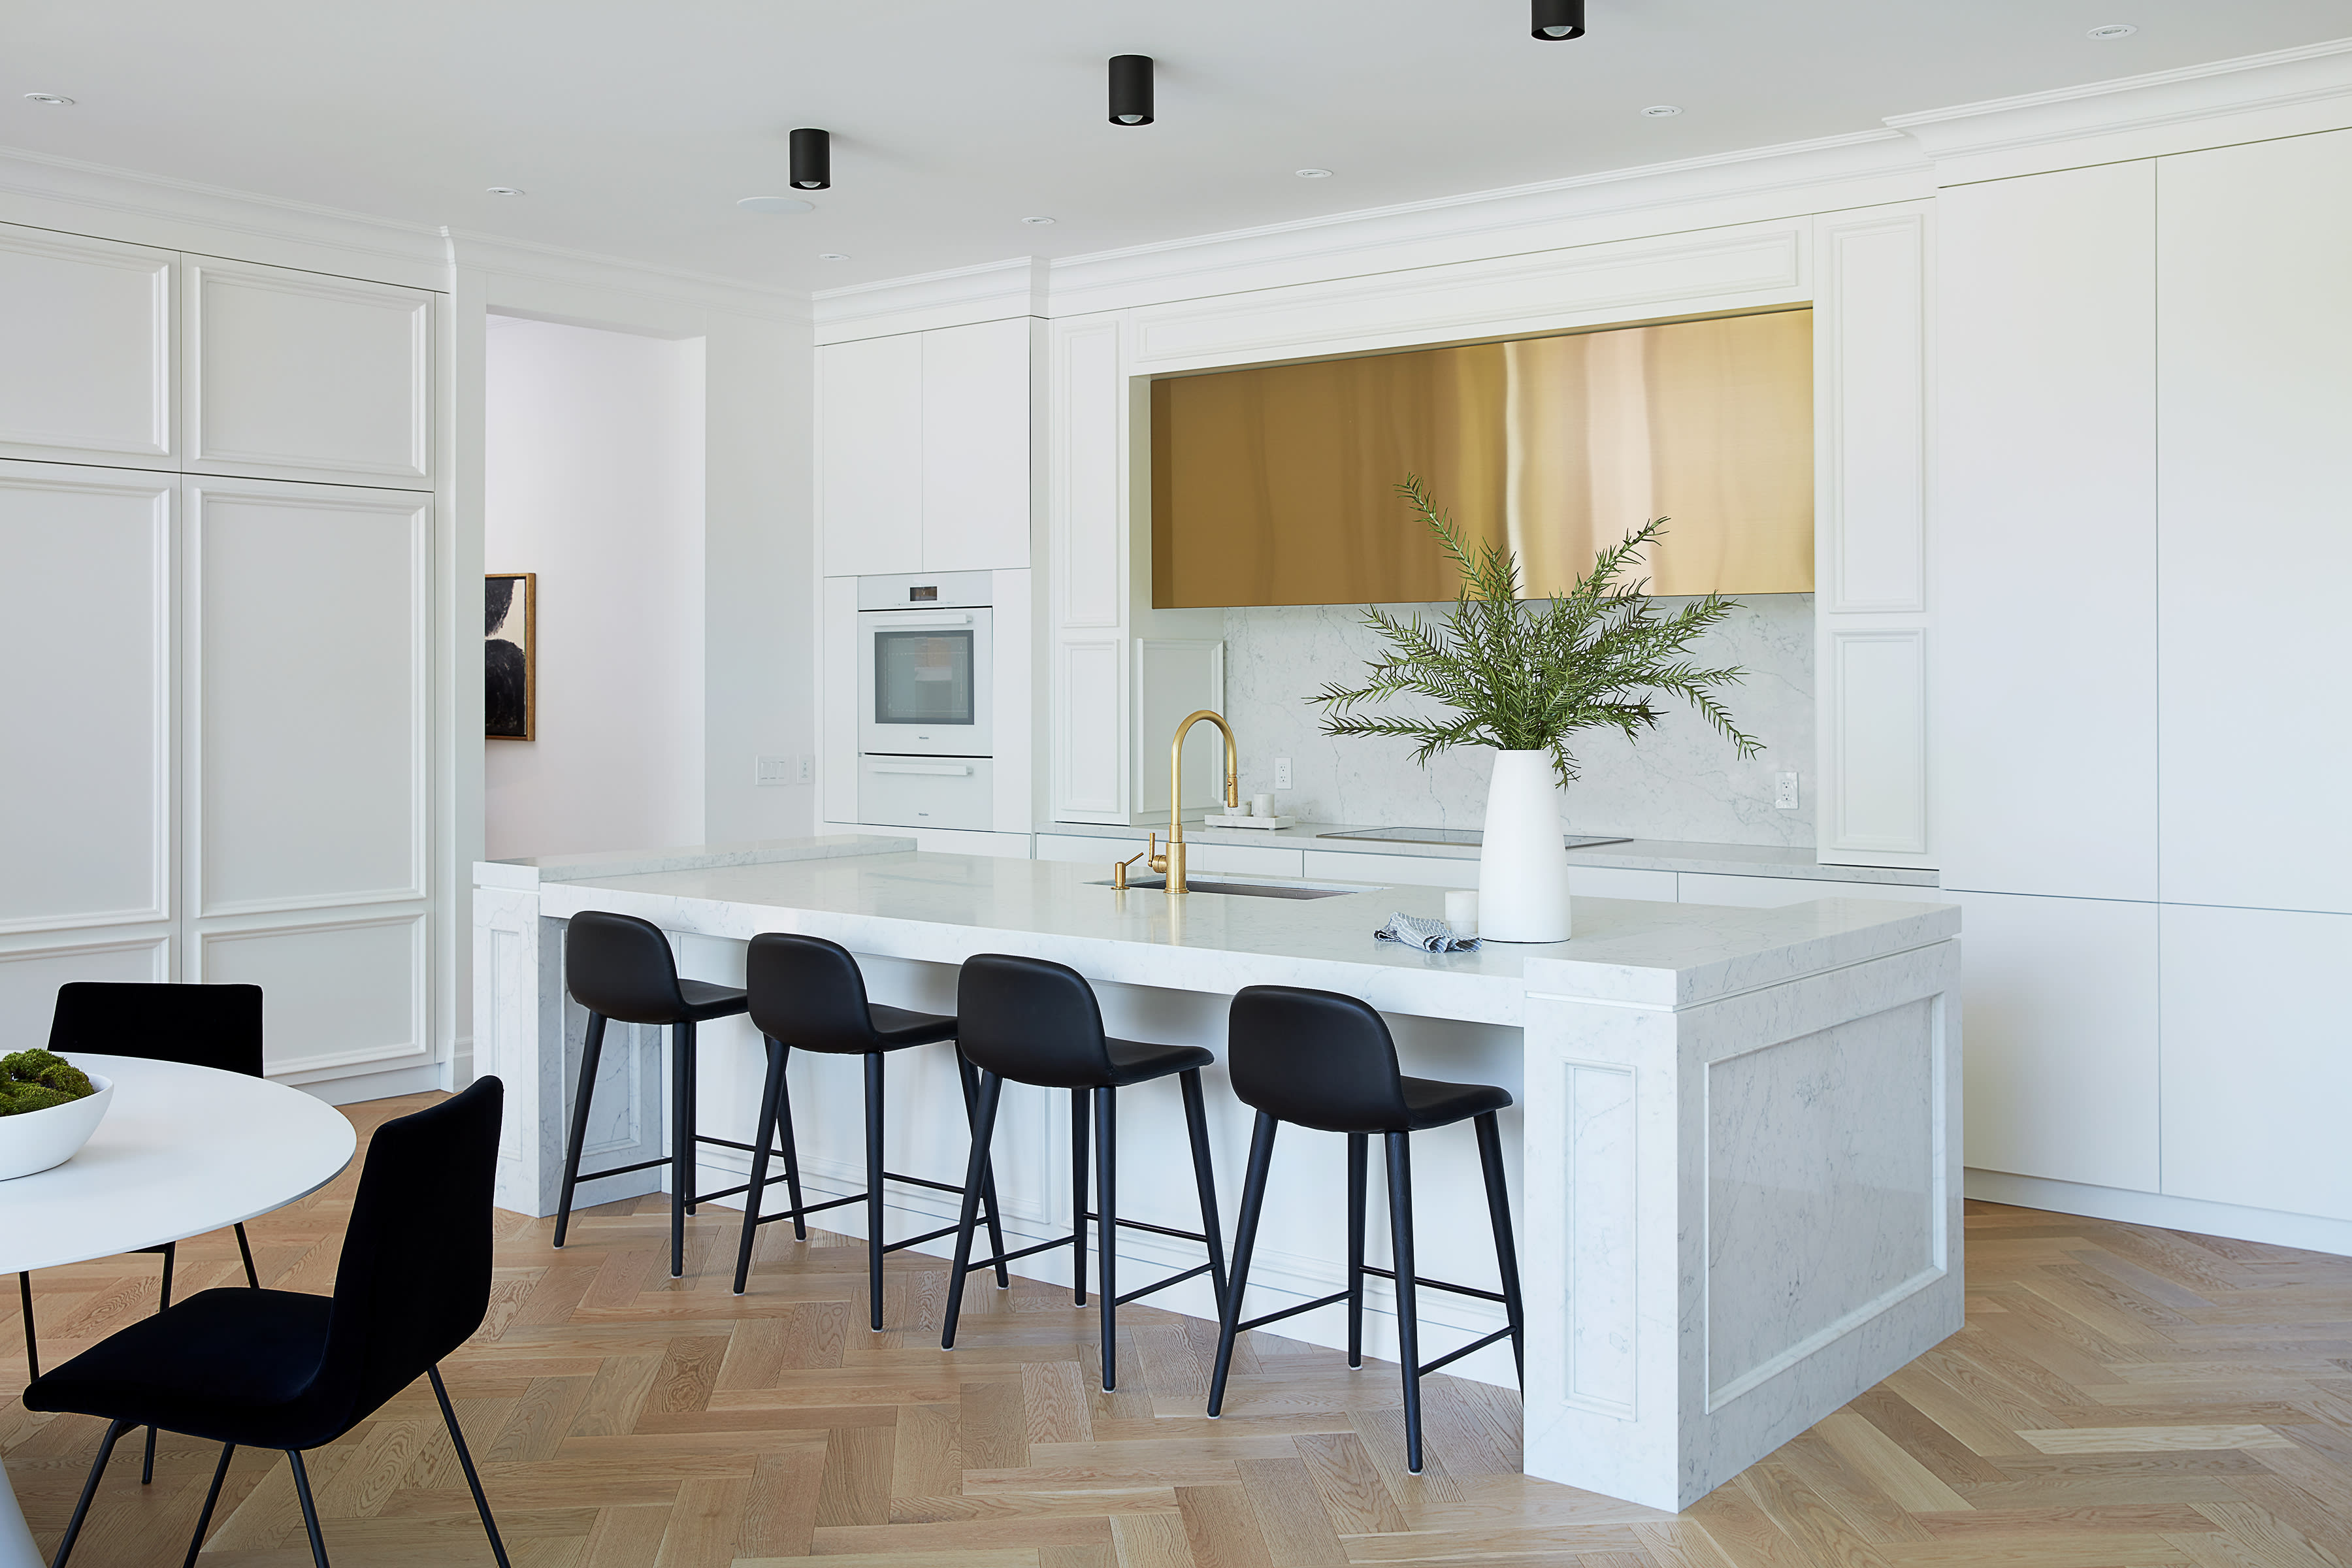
(1275, 486)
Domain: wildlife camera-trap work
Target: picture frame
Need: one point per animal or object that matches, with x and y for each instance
(510, 656)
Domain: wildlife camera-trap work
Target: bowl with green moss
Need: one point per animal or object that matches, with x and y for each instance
(48, 1108)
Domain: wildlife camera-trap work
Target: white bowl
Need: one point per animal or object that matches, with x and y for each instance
(37, 1140)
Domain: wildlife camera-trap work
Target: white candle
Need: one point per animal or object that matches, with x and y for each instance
(1462, 911)
(1262, 805)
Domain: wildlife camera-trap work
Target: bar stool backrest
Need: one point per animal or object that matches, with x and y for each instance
(202, 1025)
(621, 966)
(1030, 1020)
(808, 992)
(1314, 1059)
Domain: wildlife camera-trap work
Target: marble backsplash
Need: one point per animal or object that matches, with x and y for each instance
(1682, 781)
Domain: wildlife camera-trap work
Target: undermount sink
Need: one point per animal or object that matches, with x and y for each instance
(1242, 890)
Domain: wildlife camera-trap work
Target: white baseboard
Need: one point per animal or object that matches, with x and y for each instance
(379, 1085)
(2272, 1226)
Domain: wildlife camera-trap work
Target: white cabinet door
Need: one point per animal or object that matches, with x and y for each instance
(870, 456)
(298, 376)
(2255, 248)
(1401, 870)
(2046, 536)
(88, 373)
(1776, 893)
(2257, 1059)
(2060, 1025)
(976, 446)
(85, 611)
(1271, 861)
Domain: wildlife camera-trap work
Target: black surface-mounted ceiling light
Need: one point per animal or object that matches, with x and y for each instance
(1130, 89)
(1555, 20)
(812, 159)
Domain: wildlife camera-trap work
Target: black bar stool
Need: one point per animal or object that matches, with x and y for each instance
(809, 992)
(618, 966)
(1327, 1061)
(1038, 1022)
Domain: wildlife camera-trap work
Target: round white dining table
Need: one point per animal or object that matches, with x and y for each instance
(183, 1151)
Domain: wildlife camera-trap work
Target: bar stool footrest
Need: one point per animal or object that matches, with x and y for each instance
(620, 1170)
(1450, 1357)
(1154, 1289)
(1290, 1312)
(1425, 1284)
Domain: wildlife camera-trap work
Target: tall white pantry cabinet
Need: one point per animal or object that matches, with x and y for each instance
(217, 533)
(2145, 550)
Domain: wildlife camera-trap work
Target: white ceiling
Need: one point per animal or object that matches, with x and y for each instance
(634, 127)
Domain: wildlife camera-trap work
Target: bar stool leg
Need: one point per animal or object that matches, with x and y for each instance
(983, 1127)
(1408, 1307)
(970, 1077)
(691, 1105)
(1261, 1158)
(873, 1180)
(1507, 1256)
(769, 1088)
(1204, 1177)
(1078, 1196)
(1359, 1157)
(1106, 1228)
(591, 1053)
(681, 1149)
(791, 1149)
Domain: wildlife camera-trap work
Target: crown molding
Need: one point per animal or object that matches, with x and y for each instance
(585, 270)
(958, 296)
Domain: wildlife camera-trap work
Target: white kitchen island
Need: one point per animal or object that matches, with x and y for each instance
(1736, 1148)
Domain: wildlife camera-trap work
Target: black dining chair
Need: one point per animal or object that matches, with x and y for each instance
(202, 1026)
(278, 1369)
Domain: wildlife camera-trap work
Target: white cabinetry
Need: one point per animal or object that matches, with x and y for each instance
(924, 451)
(91, 349)
(2047, 534)
(2255, 540)
(295, 376)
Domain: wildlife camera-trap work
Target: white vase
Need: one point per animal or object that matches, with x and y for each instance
(1523, 863)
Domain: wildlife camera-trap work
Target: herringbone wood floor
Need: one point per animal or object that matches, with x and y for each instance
(2121, 1397)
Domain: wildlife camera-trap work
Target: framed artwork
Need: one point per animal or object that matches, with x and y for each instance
(510, 654)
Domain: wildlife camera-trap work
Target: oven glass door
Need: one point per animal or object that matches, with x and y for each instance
(924, 683)
(923, 678)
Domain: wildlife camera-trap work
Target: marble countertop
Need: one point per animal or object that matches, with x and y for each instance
(873, 897)
(1633, 854)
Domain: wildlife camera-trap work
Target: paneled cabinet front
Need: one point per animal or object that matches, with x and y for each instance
(89, 370)
(300, 376)
(924, 451)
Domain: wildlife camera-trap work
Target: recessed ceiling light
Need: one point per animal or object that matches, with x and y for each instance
(1662, 110)
(833, 256)
(776, 204)
(53, 101)
(504, 190)
(2113, 30)
(1040, 220)
(1313, 174)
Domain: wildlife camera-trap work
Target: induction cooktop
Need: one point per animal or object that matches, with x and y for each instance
(1469, 835)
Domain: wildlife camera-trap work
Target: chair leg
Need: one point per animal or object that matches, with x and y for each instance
(591, 1053)
(1078, 1196)
(682, 1142)
(874, 1181)
(310, 1509)
(1359, 1157)
(212, 1498)
(970, 1077)
(245, 1250)
(983, 1127)
(1408, 1319)
(688, 1105)
(791, 1148)
(147, 1461)
(1106, 1228)
(1260, 1160)
(114, 1431)
(1506, 1254)
(32, 1349)
(1204, 1177)
(466, 1462)
(769, 1089)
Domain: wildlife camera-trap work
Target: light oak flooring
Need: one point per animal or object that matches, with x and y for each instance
(2121, 1397)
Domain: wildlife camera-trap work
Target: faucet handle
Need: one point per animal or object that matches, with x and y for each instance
(1158, 861)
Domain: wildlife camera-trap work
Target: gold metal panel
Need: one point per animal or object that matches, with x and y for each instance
(1276, 486)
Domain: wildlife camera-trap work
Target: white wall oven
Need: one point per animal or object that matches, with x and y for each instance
(925, 667)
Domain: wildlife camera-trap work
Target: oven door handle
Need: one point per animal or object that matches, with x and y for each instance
(893, 620)
(944, 770)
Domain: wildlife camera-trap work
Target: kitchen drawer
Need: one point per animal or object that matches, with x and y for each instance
(1082, 846)
(927, 792)
(1400, 870)
(1619, 882)
(1771, 892)
(1247, 858)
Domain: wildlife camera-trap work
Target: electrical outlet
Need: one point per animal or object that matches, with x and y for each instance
(1784, 794)
(1282, 772)
(803, 769)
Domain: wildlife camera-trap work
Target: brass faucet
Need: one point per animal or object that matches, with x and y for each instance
(1172, 861)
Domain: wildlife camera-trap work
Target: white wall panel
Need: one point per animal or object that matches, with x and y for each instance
(2062, 1030)
(2046, 533)
(1089, 729)
(2257, 1059)
(308, 657)
(298, 376)
(2254, 530)
(85, 600)
(91, 332)
(1089, 403)
(29, 978)
(1874, 737)
(976, 453)
(870, 456)
(335, 994)
(1873, 354)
